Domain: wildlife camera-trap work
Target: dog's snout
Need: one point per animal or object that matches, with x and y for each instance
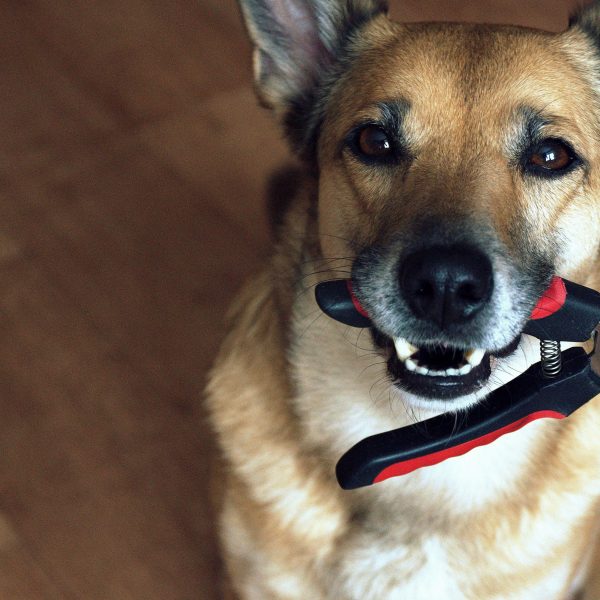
(446, 285)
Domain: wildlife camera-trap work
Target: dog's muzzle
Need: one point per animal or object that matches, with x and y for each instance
(445, 287)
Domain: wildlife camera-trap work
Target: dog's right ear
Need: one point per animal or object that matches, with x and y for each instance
(296, 43)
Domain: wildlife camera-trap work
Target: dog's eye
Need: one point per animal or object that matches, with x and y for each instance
(373, 142)
(550, 156)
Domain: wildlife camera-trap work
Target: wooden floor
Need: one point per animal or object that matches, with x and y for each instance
(132, 164)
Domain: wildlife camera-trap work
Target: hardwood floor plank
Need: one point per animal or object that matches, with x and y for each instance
(143, 254)
(110, 327)
(46, 119)
(144, 60)
(22, 578)
(226, 149)
(110, 465)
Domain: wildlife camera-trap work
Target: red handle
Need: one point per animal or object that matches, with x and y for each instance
(552, 300)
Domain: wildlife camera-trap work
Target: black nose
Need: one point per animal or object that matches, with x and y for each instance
(446, 285)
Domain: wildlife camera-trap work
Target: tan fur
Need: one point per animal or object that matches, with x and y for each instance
(291, 390)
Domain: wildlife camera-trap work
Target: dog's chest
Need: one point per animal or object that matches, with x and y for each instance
(370, 569)
(407, 546)
(404, 541)
(373, 565)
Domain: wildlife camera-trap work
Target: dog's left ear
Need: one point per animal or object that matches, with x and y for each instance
(587, 18)
(297, 44)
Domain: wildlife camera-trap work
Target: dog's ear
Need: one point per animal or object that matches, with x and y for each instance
(296, 44)
(587, 18)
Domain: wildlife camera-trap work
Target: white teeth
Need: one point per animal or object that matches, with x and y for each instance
(474, 357)
(410, 364)
(404, 349)
(465, 369)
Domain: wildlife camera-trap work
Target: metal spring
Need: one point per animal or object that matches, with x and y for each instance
(551, 358)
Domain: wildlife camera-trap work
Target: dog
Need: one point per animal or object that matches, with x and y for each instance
(449, 170)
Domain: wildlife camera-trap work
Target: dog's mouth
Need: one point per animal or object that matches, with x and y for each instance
(440, 361)
(438, 371)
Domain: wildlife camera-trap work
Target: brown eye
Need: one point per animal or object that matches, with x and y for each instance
(373, 142)
(551, 155)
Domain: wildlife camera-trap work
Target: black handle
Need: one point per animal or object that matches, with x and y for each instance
(526, 398)
(570, 319)
(566, 312)
(573, 321)
(336, 300)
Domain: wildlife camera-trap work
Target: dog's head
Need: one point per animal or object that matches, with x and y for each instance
(458, 165)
